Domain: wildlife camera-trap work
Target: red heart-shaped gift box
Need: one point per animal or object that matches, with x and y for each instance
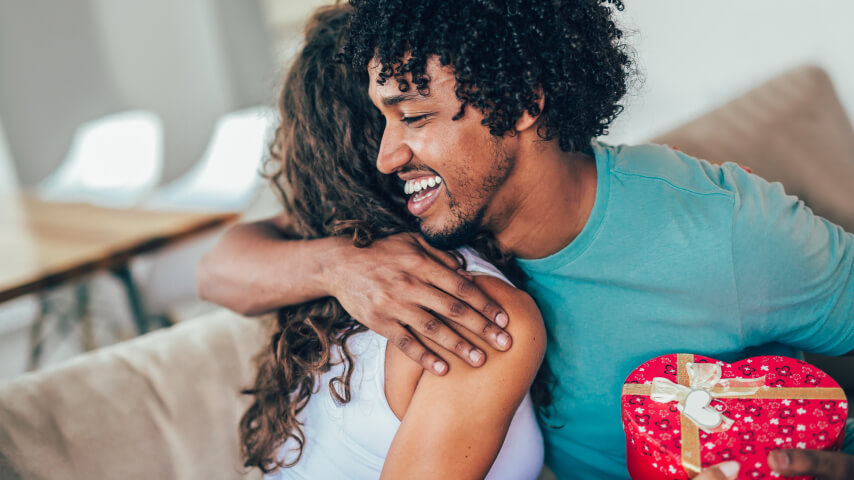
(762, 404)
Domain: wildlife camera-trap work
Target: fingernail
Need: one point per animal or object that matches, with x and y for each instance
(779, 460)
(501, 319)
(439, 367)
(729, 469)
(475, 356)
(503, 340)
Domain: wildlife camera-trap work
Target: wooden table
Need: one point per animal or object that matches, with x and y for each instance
(44, 244)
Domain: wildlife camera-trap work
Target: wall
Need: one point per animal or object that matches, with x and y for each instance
(8, 176)
(52, 77)
(696, 55)
(65, 62)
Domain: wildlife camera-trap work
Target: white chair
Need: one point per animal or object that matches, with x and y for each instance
(8, 177)
(227, 177)
(114, 161)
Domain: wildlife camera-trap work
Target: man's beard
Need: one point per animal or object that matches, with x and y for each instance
(463, 229)
(458, 235)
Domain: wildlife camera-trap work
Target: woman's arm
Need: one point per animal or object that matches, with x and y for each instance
(455, 425)
(259, 267)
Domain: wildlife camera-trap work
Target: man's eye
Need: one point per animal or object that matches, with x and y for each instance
(411, 120)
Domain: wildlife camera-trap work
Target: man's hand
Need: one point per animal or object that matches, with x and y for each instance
(721, 471)
(399, 286)
(793, 463)
(820, 464)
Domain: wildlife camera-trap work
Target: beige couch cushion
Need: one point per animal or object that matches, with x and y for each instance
(163, 406)
(791, 130)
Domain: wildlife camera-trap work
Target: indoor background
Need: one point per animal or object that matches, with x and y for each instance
(64, 63)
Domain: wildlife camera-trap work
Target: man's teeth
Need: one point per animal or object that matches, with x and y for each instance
(419, 184)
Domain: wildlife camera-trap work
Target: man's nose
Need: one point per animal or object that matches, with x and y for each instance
(393, 153)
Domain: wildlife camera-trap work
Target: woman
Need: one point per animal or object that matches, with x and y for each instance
(330, 400)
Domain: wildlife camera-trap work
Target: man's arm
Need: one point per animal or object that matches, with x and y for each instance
(793, 270)
(398, 286)
(246, 270)
(455, 425)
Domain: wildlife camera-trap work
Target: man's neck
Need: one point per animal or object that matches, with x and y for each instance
(550, 199)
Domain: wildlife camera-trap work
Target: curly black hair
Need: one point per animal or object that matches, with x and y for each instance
(504, 53)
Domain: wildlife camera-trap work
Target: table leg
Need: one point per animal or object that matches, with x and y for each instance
(134, 300)
(36, 333)
(84, 316)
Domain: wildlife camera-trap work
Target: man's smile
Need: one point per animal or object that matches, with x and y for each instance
(424, 191)
(421, 183)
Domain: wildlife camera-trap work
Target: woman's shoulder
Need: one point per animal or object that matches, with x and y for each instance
(502, 290)
(525, 326)
(463, 416)
(517, 363)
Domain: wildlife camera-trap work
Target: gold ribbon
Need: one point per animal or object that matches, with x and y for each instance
(705, 378)
(692, 376)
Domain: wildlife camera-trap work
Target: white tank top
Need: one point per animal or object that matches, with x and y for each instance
(351, 441)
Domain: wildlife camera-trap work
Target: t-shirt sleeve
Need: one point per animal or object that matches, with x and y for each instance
(792, 269)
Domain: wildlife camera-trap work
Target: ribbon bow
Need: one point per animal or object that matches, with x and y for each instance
(704, 384)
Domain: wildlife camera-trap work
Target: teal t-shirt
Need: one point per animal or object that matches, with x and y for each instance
(679, 255)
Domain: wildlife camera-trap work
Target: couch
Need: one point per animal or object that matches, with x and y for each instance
(166, 405)
(162, 406)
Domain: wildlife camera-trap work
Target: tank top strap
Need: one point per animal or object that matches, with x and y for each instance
(476, 265)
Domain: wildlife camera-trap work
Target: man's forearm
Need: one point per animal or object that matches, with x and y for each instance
(397, 286)
(255, 269)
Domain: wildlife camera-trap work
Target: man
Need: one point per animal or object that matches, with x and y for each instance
(632, 252)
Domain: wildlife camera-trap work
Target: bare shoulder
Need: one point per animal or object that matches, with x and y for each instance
(518, 364)
(463, 416)
(525, 327)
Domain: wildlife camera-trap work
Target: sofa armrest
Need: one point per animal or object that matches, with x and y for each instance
(164, 406)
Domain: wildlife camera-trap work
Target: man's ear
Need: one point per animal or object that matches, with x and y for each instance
(526, 120)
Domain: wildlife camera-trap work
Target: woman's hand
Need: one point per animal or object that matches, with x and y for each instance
(400, 285)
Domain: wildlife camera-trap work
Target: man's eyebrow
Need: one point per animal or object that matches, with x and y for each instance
(404, 97)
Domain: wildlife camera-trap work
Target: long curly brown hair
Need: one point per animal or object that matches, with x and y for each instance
(323, 166)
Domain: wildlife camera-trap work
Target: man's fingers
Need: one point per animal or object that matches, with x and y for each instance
(460, 285)
(456, 285)
(462, 314)
(443, 257)
(721, 471)
(409, 344)
(823, 465)
(428, 325)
